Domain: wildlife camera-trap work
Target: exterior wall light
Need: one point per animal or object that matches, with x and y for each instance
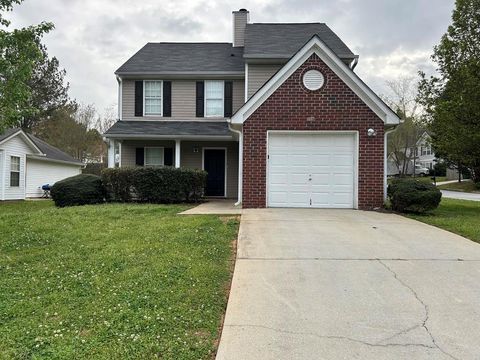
(371, 132)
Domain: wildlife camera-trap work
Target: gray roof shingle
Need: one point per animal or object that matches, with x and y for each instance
(264, 40)
(50, 151)
(168, 128)
(159, 58)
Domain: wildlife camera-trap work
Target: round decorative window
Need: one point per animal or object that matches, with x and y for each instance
(313, 80)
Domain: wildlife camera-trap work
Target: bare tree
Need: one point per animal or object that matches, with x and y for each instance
(402, 143)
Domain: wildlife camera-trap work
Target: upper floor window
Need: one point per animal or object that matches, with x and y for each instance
(14, 171)
(152, 97)
(426, 150)
(214, 97)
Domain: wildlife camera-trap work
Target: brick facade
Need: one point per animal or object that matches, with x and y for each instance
(333, 107)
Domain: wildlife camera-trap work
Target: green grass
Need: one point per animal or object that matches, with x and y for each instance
(112, 281)
(465, 186)
(459, 216)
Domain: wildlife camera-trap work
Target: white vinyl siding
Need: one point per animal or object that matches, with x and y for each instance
(152, 97)
(15, 171)
(154, 156)
(41, 172)
(16, 147)
(214, 98)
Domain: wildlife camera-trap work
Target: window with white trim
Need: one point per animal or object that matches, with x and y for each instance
(426, 150)
(152, 93)
(214, 97)
(154, 156)
(14, 171)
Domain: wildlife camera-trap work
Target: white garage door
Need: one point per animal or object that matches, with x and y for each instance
(311, 170)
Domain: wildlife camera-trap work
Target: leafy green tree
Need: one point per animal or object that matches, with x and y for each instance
(48, 89)
(20, 50)
(452, 99)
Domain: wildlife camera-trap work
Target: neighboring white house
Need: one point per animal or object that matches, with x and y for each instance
(27, 163)
(424, 157)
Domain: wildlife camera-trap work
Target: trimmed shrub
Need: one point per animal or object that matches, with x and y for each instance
(407, 195)
(439, 169)
(94, 168)
(81, 189)
(118, 183)
(164, 185)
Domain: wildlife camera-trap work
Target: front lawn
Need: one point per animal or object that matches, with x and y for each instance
(465, 186)
(459, 216)
(112, 281)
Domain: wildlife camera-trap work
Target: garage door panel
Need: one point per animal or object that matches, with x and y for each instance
(311, 170)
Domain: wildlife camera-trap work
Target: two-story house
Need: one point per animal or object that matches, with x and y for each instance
(278, 118)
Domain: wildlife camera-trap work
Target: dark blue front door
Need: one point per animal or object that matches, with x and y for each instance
(214, 165)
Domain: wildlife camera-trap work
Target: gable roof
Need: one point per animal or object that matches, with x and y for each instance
(182, 58)
(316, 46)
(44, 151)
(282, 41)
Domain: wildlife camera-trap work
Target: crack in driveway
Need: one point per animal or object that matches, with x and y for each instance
(335, 337)
(423, 324)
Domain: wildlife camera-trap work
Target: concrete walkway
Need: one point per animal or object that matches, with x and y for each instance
(326, 284)
(461, 195)
(215, 207)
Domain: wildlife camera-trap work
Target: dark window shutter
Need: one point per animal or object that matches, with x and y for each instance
(139, 156)
(167, 98)
(200, 98)
(168, 156)
(138, 98)
(228, 99)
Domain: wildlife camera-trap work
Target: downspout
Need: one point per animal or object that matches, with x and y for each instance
(385, 161)
(240, 163)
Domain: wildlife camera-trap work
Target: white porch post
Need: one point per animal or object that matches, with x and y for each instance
(111, 153)
(177, 153)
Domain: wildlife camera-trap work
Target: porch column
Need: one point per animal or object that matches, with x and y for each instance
(111, 153)
(177, 153)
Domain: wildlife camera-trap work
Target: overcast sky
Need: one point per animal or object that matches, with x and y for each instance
(92, 38)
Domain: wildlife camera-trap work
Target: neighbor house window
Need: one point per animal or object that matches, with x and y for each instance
(153, 97)
(14, 171)
(154, 156)
(214, 98)
(426, 150)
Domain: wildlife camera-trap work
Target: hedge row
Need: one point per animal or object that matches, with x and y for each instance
(407, 195)
(155, 185)
(164, 185)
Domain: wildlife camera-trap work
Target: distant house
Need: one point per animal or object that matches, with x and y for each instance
(27, 163)
(420, 156)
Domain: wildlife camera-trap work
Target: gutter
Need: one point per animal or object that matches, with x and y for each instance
(240, 163)
(354, 63)
(44, 158)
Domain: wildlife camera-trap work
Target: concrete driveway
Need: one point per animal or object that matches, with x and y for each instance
(345, 284)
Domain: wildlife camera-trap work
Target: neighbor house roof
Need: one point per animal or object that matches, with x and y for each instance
(52, 152)
(45, 151)
(181, 58)
(158, 129)
(284, 40)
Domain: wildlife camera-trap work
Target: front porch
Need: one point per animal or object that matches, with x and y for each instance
(219, 158)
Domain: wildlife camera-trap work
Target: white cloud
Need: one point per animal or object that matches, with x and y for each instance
(93, 38)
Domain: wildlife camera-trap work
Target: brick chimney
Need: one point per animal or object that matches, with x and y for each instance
(240, 21)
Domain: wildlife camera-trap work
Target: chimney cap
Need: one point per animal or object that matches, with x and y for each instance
(243, 10)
